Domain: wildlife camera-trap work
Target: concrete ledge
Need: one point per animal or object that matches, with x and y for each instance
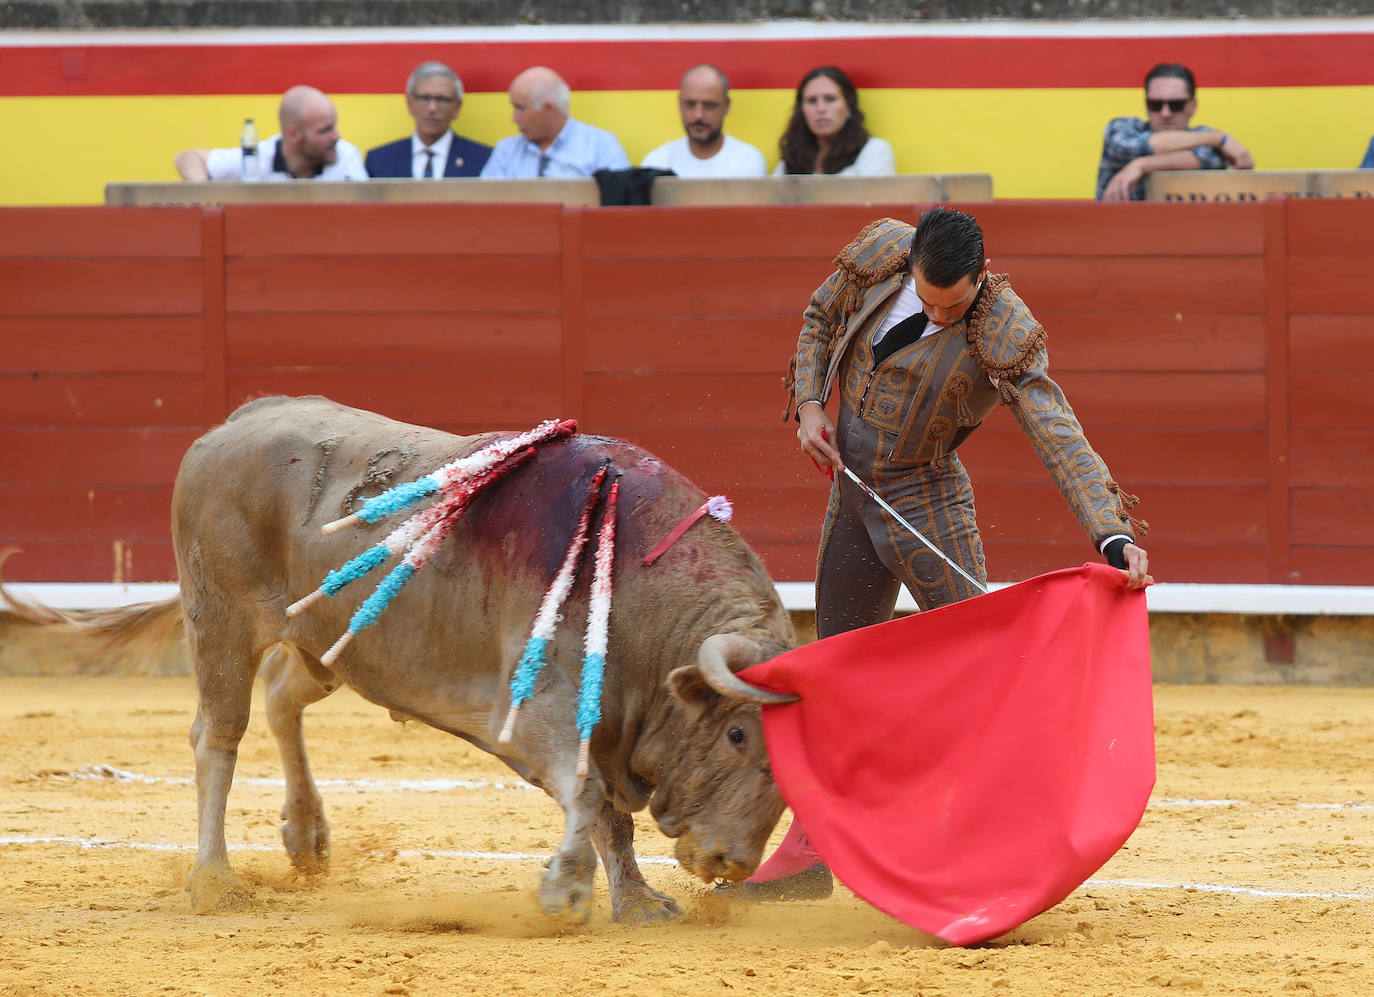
(1166, 597)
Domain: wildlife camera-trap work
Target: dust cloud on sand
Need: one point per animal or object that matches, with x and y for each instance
(1250, 874)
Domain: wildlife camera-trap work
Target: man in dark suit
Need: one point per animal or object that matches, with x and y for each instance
(434, 96)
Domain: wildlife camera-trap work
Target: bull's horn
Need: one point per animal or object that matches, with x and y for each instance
(714, 660)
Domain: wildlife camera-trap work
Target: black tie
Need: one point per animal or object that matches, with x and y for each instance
(904, 333)
(543, 162)
(429, 163)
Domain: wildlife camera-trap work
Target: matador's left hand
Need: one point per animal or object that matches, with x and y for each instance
(1137, 567)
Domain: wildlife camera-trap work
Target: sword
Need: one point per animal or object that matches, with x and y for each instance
(914, 532)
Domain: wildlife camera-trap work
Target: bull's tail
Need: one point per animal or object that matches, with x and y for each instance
(131, 639)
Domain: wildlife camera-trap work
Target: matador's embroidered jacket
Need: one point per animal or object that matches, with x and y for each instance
(926, 398)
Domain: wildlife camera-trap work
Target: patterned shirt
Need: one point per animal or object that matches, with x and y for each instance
(1129, 138)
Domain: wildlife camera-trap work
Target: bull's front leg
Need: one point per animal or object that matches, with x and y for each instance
(632, 899)
(568, 883)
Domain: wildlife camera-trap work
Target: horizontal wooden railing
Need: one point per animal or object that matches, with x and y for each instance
(1216, 353)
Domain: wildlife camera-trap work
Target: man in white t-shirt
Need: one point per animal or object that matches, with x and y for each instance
(706, 151)
(308, 147)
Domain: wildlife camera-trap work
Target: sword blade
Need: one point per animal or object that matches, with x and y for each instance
(911, 529)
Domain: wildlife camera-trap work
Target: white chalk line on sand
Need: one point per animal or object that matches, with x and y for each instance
(446, 853)
(108, 773)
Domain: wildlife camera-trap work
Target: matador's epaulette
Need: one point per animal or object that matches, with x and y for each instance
(881, 249)
(1003, 335)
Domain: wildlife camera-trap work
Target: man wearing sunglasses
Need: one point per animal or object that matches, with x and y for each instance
(1132, 148)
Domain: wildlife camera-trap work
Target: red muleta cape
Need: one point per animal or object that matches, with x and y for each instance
(966, 768)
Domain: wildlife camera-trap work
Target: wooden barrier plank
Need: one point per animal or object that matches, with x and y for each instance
(1329, 342)
(1165, 399)
(1323, 516)
(1324, 227)
(1213, 284)
(761, 458)
(1332, 457)
(1053, 228)
(1337, 565)
(1213, 515)
(58, 511)
(101, 343)
(700, 287)
(404, 230)
(1152, 340)
(72, 233)
(100, 287)
(85, 456)
(787, 562)
(999, 452)
(517, 400)
(105, 560)
(637, 402)
(122, 399)
(734, 232)
(623, 343)
(1216, 563)
(361, 283)
(1331, 399)
(1331, 285)
(492, 340)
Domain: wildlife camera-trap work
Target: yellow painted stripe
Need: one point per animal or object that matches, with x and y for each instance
(1036, 143)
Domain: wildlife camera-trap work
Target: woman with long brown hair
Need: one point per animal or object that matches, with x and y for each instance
(826, 133)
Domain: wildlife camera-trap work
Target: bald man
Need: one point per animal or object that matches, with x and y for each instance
(703, 99)
(550, 142)
(307, 148)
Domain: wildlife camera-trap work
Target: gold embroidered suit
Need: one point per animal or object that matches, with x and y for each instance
(901, 420)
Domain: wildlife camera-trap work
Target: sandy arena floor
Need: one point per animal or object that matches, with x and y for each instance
(1251, 873)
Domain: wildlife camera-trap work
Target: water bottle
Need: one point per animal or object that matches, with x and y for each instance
(248, 144)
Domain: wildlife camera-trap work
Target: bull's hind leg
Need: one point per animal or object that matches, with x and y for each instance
(224, 674)
(293, 681)
(632, 899)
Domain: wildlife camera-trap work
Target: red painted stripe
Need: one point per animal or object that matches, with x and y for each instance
(939, 62)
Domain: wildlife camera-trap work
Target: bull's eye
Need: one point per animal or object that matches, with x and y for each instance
(736, 735)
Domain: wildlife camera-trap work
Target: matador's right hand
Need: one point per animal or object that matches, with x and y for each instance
(815, 433)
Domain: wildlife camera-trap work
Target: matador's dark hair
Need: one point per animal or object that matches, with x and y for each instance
(947, 246)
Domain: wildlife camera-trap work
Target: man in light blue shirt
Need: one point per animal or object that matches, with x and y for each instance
(550, 143)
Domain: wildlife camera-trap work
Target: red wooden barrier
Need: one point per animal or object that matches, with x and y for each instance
(1216, 354)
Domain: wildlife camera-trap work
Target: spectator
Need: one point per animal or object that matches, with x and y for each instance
(551, 143)
(1368, 162)
(703, 98)
(827, 133)
(307, 148)
(434, 96)
(1132, 148)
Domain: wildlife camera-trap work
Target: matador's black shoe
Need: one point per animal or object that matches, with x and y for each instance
(815, 883)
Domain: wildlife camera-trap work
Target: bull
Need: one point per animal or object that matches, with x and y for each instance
(680, 733)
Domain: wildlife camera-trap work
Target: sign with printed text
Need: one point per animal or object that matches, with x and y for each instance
(1256, 185)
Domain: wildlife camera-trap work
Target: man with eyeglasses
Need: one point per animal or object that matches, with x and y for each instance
(1133, 148)
(434, 96)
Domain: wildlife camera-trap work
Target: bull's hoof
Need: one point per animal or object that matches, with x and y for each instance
(567, 893)
(644, 905)
(815, 883)
(307, 845)
(215, 889)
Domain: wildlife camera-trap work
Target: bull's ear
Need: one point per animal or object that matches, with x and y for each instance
(691, 689)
